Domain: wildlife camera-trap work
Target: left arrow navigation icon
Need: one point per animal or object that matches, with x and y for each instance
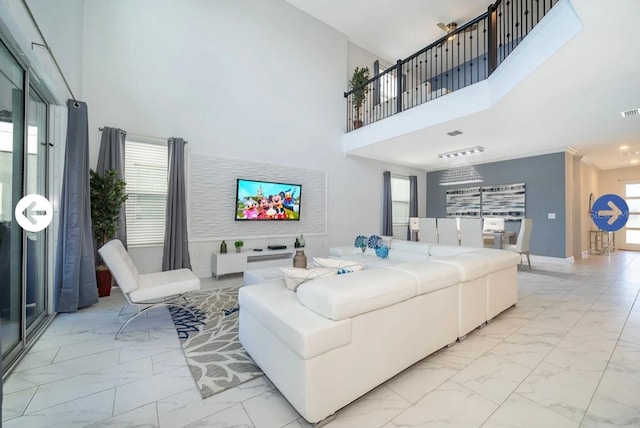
(34, 213)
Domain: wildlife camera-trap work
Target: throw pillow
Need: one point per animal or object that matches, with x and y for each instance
(374, 241)
(294, 277)
(338, 265)
(382, 252)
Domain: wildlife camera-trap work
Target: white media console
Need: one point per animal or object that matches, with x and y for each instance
(232, 262)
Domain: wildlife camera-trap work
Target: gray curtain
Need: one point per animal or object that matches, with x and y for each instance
(111, 156)
(75, 276)
(413, 201)
(387, 212)
(175, 254)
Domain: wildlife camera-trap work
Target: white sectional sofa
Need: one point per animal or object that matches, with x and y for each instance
(340, 336)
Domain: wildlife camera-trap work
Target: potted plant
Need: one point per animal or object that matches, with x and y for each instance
(107, 196)
(238, 245)
(360, 89)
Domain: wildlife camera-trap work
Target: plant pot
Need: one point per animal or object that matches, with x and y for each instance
(104, 279)
(238, 249)
(357, 124)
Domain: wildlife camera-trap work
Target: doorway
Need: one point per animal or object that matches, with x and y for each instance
(629, 236)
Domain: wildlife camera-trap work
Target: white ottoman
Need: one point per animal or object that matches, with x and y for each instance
(258, 276)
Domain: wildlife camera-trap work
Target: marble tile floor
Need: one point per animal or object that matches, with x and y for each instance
(568, 355)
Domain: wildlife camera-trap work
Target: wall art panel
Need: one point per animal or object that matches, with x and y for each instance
(463, 202)
(504, 200)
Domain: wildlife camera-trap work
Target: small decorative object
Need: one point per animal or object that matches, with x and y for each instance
(301, 241)
(300, 259)
(296, 244)
(238, 245)
(223, 247)
(382, 252)
(374, 241)
(361, 242)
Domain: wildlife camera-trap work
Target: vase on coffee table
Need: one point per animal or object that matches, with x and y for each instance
(300, 259)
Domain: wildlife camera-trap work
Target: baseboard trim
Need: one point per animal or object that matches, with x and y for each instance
(552, 260)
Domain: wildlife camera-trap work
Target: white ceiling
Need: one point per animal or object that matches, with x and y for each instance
(572, 101)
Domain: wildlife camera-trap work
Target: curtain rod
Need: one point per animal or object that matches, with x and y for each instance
(152, 137)
(46, 46)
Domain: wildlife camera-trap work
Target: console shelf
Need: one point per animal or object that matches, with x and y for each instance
(222, 264)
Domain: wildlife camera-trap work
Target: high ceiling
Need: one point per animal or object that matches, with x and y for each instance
(573, 100)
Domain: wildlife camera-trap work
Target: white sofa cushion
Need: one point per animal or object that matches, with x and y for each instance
(470, 267)
(430, 276)
(304, 332)
(497, 259)
(412, 246)
(344, 296)
(448, 250)
(406, 256)
(294, 277)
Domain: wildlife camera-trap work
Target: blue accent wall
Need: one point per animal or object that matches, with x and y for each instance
(544, 178)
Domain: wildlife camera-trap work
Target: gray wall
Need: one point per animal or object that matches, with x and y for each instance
(544, 178)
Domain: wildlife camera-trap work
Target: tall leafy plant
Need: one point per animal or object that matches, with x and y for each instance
(357, 83)
(107, 196)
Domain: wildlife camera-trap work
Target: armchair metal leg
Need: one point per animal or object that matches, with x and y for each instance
(155, 305)
(528, 259)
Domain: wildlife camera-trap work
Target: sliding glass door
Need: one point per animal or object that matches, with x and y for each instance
(11, 168)
(23, 170)
(35, 183)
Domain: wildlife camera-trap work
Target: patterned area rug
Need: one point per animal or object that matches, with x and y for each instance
(216, 358)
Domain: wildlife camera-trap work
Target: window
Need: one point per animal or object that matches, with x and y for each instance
(400, 200)
(146, 176)
(388, 84)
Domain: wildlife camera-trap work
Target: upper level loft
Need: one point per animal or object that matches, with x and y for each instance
(471, 82)
(464, 56)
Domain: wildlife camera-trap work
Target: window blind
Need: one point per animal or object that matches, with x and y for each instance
(400, 200)
(146, 177)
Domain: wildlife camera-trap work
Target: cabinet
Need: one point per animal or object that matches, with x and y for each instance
(222, 264)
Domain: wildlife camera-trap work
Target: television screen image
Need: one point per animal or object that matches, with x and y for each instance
(264, 200)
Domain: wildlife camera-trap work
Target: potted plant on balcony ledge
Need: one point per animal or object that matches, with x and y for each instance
(107, 196)
(359, 95)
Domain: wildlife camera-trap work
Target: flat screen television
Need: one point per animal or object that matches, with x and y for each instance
(267, 201)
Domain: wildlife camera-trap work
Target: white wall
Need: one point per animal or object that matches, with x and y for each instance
(589, 184)
(61, 23)
(256, 79)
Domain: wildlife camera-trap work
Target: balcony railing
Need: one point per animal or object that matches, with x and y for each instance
(461, 58)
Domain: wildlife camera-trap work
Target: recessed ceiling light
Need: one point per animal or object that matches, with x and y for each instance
(634, 160)
(624, 147)
(462, 152)
(630, 113)
(454, 133)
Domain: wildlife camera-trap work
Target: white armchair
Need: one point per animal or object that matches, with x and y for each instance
(146, 289)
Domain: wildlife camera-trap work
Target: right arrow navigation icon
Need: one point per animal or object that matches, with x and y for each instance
(610, 212)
